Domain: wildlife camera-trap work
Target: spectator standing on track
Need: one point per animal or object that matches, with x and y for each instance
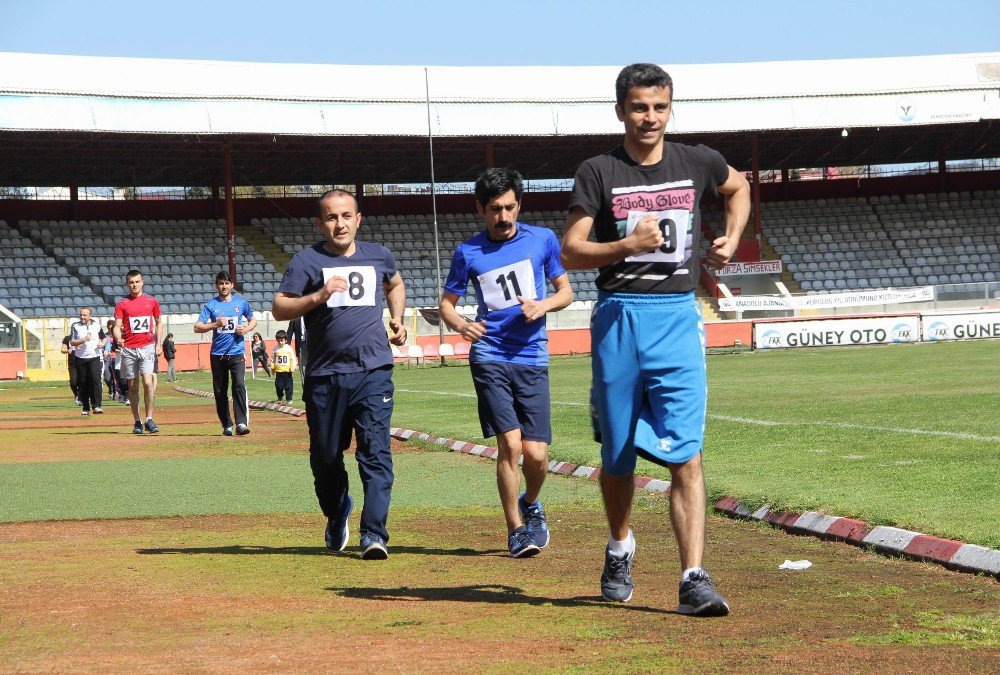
(258, 354)
(508, 263)
(297, 338)
(111, 363)
(138, 330)
(649, 385)
(87, 340)
(229, 317)
(339, 286)
(66, 349)
(170, 353)
(285, 364)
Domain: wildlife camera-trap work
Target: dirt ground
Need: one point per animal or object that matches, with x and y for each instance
(188, 428)
(260, 593)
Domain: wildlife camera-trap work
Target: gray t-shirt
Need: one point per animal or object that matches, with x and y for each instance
(346, 335)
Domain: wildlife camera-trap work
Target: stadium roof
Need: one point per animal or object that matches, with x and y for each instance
(100, 121)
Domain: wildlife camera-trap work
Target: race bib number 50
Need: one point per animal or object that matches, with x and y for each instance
(361, 285)
(140, 324)
(501, 286)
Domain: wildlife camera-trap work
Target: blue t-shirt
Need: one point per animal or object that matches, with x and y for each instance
(225, 341)
(500, 271)
(346, 335)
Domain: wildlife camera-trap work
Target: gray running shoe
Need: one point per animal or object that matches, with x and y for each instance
(151, 426)
(616, 581)
(242, 430)
(228, 431)
(698, 596)
(137, 428)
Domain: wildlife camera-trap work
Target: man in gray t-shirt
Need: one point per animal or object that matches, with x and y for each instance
(339, 287)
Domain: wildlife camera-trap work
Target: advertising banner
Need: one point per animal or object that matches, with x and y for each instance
(847, 299)
(760, 267)
(836, 332)
(971, 325)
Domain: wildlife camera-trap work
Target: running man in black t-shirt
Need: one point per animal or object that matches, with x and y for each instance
(340, 286)
(648, 344)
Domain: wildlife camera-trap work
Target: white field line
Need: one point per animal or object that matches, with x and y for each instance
(772, 423)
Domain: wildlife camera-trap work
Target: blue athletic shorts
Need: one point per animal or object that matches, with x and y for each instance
(648, 393)
(513, 396)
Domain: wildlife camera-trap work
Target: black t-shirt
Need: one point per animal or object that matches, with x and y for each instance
(346, 335)
(617, 193)
(71, 355)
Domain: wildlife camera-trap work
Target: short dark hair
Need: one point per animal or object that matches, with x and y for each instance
(495, 182)
(281, 335)
(641, 75)
(223, 276)
(335, 192)
(132, 273)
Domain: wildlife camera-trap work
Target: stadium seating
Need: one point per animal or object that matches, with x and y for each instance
(179, 260)
(880, 242)
(51, 268)
(36, 285)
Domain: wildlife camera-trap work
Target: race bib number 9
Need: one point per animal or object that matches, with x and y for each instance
(230, 324)
(674, 225)
(501, 286)
(140, 324)
(361, 285)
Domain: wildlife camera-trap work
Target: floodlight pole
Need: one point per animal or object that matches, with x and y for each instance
(437, 246)
(227, 177)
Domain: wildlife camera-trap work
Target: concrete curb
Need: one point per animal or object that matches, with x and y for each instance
(952, 554)
(256, 405)
(886, 540)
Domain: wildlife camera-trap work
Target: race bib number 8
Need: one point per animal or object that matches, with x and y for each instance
(230, 325)
(140, 324)
(674, 224)
(501, 286)
(361, 285)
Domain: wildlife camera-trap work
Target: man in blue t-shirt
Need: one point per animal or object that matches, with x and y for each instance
(508, 264)
(339, 286)
(229, 318)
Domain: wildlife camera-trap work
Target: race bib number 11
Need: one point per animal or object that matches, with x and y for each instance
(361, 285)
(501, 286)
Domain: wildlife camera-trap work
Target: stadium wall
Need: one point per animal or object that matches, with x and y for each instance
(12, 362)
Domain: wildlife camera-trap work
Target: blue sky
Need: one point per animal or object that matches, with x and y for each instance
(474, 33)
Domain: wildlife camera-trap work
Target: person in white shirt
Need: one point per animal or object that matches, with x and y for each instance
(86, 339)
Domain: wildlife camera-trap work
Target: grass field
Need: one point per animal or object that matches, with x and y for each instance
(905, 435)
(193, 552)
